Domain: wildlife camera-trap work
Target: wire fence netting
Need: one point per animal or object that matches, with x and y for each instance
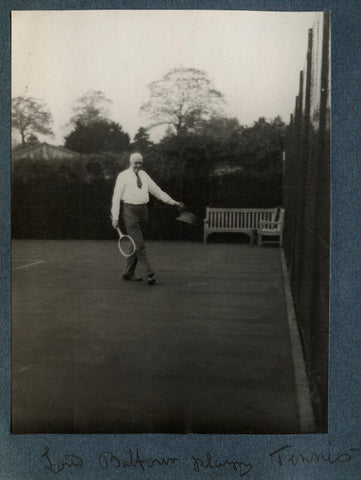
(306, 198)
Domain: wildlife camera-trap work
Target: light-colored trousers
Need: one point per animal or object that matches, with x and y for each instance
(135, 219)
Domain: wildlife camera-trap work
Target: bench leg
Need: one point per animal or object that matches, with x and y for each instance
(254, 237)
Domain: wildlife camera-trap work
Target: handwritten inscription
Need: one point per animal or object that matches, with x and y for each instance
(285, 456)
(107, 460)
(242, 468)
(69, 460)
(209, 464)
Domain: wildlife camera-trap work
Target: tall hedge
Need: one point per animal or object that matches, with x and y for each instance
(72, 198)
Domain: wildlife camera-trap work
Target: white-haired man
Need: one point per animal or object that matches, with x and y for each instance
(132, 188)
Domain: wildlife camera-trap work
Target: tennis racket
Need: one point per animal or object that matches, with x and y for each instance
(126, 244)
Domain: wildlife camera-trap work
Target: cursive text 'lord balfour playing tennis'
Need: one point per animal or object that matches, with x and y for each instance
(208, 462)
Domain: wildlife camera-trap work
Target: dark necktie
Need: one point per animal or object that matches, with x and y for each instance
(139, 182)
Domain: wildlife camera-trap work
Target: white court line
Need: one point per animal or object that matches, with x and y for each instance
(28, 265)
(25, 259)
(305, 410)
(23, 369)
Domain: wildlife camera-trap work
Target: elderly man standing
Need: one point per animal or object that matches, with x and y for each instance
(132, 188)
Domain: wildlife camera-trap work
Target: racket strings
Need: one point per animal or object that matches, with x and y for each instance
(126, 246)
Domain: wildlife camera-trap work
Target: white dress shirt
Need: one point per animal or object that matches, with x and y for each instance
(127, 190)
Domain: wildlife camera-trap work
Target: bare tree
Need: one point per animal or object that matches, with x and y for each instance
(182, 99)
(91, 107)
(29, 116)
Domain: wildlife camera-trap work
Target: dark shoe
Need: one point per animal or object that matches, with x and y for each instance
(131, 278)
(151, 279)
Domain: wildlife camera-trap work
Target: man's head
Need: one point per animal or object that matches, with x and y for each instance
(136, 161)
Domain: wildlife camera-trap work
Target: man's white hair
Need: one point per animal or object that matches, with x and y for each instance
(135, 157)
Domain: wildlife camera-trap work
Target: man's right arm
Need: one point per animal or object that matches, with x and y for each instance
(117, 195)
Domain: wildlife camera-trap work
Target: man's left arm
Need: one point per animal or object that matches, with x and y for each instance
(158, 193)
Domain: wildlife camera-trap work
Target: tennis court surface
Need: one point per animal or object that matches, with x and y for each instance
(206, 350)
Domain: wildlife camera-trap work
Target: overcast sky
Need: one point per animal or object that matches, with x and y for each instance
(253, 58)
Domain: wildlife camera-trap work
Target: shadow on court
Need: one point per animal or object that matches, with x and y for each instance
(207, 350)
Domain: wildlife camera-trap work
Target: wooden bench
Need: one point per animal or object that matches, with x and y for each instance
(240, 220)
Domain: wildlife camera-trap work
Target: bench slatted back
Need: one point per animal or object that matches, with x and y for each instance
(236, 219)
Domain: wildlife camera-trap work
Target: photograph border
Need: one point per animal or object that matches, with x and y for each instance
(336, 454)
